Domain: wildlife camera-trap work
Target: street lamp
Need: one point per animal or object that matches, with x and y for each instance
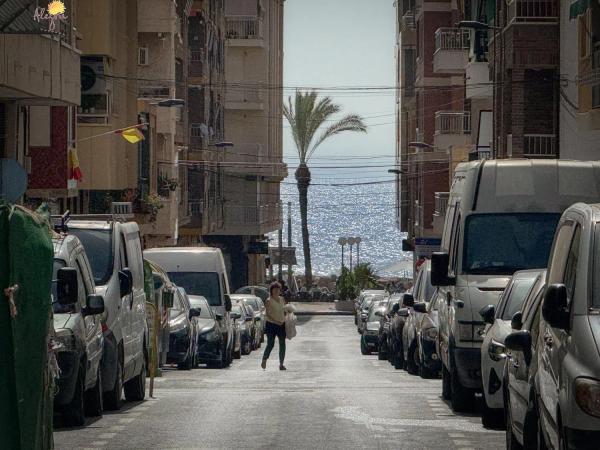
(351, 242)
(358, 240)
(342, 241)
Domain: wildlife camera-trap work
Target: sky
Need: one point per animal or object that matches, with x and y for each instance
(344, 43)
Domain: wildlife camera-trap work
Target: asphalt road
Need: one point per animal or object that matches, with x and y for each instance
(330, 397)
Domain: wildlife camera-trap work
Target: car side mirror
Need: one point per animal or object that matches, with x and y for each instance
(439, 270)
(516, 323)
(235, 315)
(67, 286)
(395, 308)
(408, 301)
(219, 317)
(420, 307)
(94, 304)
(227, 303)
(125, 282)
(554, 308)
(520, 341)
(403, 312)
(488, 313)
(168, 298)
(194, 312)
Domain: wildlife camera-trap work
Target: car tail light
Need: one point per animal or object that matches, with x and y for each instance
(104, 327)
(587, 395)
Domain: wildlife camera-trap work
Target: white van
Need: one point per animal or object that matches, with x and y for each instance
(115, 254)
(200, 271)
(501, 218)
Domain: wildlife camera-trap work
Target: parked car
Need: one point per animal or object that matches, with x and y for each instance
(77, 332)
(246, 325)
(114, 251)
(364, 309)
(201, 271)
(183, 332)
(255, 307)
(501, 217)
(430, 363)
(259, 291)
(396, 327)
(384, 329)
(567, 381)
(423, 291)
(498, 319)
(210, 347)
(369, 341)
(361, 297)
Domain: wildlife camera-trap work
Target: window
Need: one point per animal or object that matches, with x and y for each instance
(99, 250)
(143, 56)
(560, 252)
(517, 296)
(454, 239)
(570, 277)
(199, 283)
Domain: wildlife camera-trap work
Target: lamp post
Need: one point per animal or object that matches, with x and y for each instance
(351, 242)
(342, 241)
(358, 240)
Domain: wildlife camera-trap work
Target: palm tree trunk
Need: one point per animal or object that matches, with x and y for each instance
(303, 181)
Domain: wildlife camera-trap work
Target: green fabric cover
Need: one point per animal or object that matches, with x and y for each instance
(578, 8)
(26, 387)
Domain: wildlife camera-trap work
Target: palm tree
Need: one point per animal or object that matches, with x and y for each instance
(306, 116)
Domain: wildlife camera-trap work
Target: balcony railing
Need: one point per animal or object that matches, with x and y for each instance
(539, 146)
(441, 203)
(197, 60)
(452, 122)
(532, 11)
(239, 215)
(408, 19)
(244, 27)
(195, 208)
(452, 39)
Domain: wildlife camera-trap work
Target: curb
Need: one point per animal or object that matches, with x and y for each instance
(324, 313)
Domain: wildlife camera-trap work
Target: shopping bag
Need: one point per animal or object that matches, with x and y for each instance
(290, 325)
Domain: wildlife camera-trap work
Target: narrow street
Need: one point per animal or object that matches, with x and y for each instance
(330, 397)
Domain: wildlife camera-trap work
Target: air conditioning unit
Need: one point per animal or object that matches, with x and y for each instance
(93, 80)
(143, 56)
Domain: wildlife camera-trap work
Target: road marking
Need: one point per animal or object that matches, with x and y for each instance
(99, 443)
(126, 420)
(117, 428)
(107, 435)
(456, 435)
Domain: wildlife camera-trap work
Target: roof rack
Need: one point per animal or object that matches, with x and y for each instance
(59, 223)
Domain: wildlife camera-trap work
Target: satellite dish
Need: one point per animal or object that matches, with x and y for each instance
(342, 241)
(13, 180)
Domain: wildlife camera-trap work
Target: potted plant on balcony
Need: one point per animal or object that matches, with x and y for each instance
(151, 204)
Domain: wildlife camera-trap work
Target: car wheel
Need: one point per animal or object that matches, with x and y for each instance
(135, 389)
(74, 412)
(114, 398)
(186, 364)
(491, 417)
(411, 366)
(363, 347)
(399, 357)
(461, 398)
(93, 398)
(511, 440)
(238, 354)
(446, 388)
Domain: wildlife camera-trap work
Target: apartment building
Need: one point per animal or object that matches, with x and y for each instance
(162, 61)
(580, 80)
(108, 40)
(39, 94)
(252, 161)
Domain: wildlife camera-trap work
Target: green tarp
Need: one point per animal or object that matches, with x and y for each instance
(578, 8)
(26, 386)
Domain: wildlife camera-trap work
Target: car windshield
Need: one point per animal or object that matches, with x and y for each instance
(237, 309)
(504, 243)
(373, 317)
(56, 307)
(516, 297)
(205, 284)
(99, 250)
(205, 310)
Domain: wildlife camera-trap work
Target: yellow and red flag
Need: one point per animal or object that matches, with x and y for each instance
(74, 169)
(132, 135)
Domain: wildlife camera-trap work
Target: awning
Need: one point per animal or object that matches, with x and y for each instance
(578, 7)
(16, 17)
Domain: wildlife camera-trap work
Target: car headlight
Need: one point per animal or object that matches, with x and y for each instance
(178, 324)
(497, 351)
(210, 334)
(465, 331)
(430, 334)
(64, 340)
(587, 395)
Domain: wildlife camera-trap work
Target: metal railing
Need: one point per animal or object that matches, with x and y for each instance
(441, 203)
(241, 215)
(408, 19)
(195, 208)
(244, 27)
(452, 39)
(539, 146)
(452, 122)
(529, 11)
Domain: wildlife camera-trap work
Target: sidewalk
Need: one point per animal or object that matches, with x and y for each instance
(319, 309)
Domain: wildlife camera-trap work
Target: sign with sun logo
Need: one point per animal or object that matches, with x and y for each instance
(56, 7)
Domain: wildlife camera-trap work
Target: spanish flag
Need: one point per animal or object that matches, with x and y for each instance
(74, 170)
(132, 135)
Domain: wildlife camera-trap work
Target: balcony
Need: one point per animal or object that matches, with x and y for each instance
(249, 159)
(408, 20)
(441, 203)
(451, 129)
(196, 62)
(539, 146)
(244, 99)
(244, 31)
(251, 220)
(451, 50)
(532, 11)
(477, 81)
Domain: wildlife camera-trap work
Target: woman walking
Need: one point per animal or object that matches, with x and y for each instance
(275, 325)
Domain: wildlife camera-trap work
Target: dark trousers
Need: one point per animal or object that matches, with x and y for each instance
(273, 330)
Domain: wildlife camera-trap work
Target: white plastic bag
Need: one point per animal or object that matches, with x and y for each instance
(290, 325)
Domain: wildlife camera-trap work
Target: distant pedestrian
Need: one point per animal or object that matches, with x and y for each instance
(275, 327)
